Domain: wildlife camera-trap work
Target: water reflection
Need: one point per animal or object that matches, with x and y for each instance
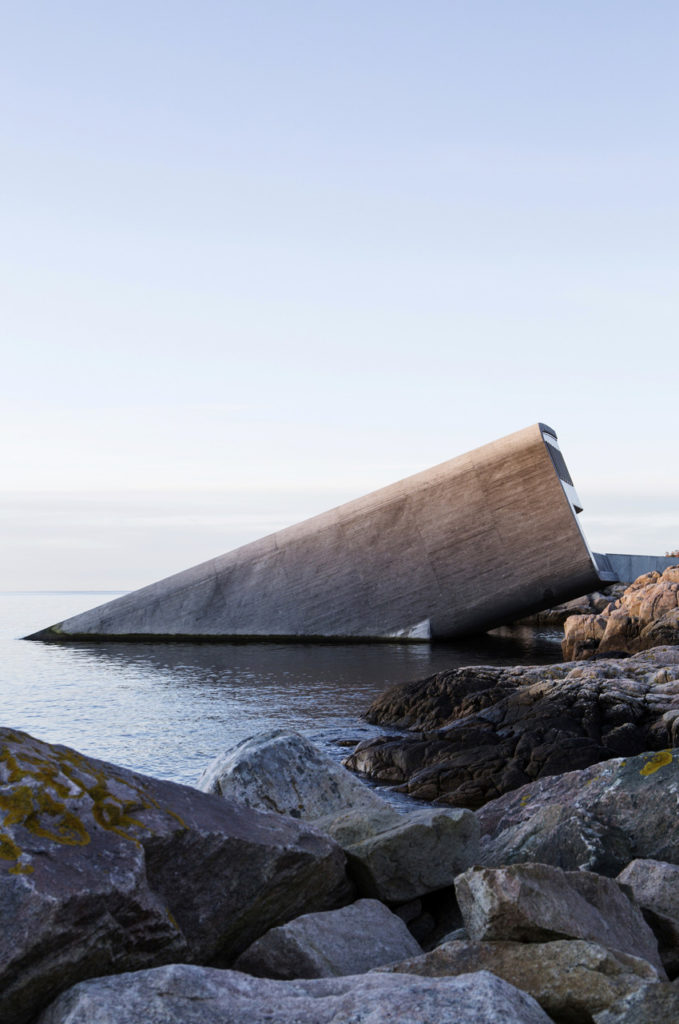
(168, 709)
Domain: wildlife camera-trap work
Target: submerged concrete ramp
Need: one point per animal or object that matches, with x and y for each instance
(474, 542)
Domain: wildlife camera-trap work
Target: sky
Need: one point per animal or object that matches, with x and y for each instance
(262, 257)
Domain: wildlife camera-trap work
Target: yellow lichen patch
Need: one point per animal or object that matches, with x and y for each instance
(8, 848)
(39, 789)
(39, 812)
(112, 816)
(21, 869)
(658, 760)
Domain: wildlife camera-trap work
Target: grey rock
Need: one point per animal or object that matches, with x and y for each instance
(607, 814)
(394, 857)
(571, 980)
(655, 886)
(284, 772)
(421, 854)
(330, 944)
(538, 902)
(182, 994)
(561, 835)
(654, 1004)
(457, 935)
(476, 733)
(654, 883)
(104, 870)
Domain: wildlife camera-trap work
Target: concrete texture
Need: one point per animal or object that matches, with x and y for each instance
(628, 568)
(467, 545)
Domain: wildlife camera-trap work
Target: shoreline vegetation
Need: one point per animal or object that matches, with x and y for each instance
(537, 881)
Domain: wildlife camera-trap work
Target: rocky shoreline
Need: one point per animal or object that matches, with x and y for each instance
(540, 883)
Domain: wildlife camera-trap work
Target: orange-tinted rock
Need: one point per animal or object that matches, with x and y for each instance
(646, 615)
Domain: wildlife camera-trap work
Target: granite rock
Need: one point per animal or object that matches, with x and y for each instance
(351, 940)
(182, 994)
(284, 772)
(607, 815)
(655, 887)
(653, 1004)
(104, 870)
(421, 854)
(570, 979)
(538, 903)
(393, 857)
(645, 615)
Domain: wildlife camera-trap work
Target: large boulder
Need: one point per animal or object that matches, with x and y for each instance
(329, 944)
(570, 979)
(284, 772)
(538, 902)
(393, 857)
(476, 733)
(598, 819)
(103, 870)
(645, 615)
(182, 994)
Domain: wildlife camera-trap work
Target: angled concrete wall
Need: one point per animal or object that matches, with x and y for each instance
(462, 547)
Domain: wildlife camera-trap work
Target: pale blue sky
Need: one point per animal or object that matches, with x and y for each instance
(261, 257)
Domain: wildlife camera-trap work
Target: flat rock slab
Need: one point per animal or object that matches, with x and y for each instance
(476, 733)
(571, 980)
(330, 944)
(182, 994)
(103, 870)
(655, 1004)
(538, 902)
(598, 819)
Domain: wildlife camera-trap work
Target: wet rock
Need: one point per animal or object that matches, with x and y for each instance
(645, 615)
(476, 733)
(653, 1004)
(393, 857)
(538, 902)
(621, 809)
(351, 940)
(571, 980)
(182, 994)
(104, 870)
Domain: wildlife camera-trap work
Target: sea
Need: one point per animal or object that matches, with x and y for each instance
(168, 709)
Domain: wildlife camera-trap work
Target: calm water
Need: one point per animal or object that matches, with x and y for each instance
(168, 709)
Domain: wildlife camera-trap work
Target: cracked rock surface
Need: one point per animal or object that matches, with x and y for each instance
(645, 615)
(469, 735)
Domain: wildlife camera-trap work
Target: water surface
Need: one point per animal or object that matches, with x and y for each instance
(169, 709)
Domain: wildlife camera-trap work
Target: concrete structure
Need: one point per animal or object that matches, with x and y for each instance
(627, 568)
(472, 543)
